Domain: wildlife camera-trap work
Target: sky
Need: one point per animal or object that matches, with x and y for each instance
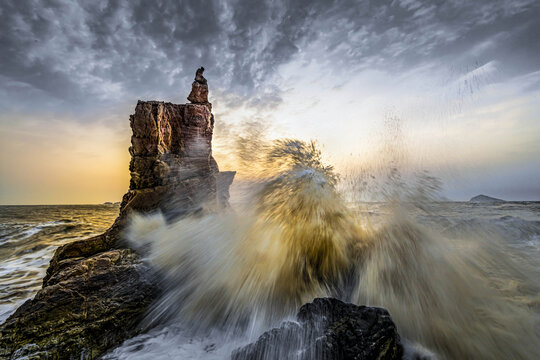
(454, 85)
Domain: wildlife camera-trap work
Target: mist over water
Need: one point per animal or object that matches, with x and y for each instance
(290, 240)
(461, 289)
(463, 296)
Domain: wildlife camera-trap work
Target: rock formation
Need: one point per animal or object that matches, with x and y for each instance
(199, 89)
(328, 329)
(224, 181)
(96, 290)
(486, 199)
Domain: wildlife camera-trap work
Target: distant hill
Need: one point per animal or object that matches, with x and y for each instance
(485, 198)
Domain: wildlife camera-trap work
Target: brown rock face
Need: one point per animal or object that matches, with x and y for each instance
(87, 306)
(96, 290)
(171, 154)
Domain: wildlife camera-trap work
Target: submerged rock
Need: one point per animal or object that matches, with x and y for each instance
(329, 329)
(97, 290)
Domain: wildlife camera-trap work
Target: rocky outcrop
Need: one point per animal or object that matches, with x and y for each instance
(486, 199)
(88, 306)
(199, 89)
(96, 290)
(329, 329)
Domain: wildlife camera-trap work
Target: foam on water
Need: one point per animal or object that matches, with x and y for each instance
(257, 264)
(173, 341)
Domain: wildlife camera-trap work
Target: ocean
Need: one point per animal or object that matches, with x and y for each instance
(492, 234)
(28, 237)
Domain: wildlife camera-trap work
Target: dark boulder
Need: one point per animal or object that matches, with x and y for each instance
(199, 89)
(329, 329)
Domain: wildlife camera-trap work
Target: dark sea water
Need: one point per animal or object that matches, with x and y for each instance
(30, 234)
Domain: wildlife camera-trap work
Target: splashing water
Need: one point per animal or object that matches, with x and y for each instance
(292, 243)
(447, 293)
(462, 294)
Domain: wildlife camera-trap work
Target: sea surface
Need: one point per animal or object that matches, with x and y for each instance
(29, 236)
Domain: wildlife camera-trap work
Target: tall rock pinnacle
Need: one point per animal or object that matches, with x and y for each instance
(97, 290)
(199, 89)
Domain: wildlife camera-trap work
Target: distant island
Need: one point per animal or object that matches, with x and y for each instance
(485, 198)
(111, 203)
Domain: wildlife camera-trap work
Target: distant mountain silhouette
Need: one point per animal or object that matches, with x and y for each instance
(485, 198)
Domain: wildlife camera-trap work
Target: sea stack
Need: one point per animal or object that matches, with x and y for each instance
(171, 153)
(97, 290)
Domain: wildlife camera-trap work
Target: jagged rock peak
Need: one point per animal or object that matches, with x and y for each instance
(199, 89)
(199, 76)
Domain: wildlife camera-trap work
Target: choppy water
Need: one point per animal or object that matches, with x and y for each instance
(28, 237)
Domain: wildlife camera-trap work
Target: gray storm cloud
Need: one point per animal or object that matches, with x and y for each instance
(75, 53)
(69, 66)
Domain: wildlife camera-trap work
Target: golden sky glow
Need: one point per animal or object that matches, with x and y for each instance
(455, 95)
(61, 161)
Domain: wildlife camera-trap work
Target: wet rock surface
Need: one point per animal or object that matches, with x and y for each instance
(224, 181)
(329, 329)
(88, 306)
(97, 290)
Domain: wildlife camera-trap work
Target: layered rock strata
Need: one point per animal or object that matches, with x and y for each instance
(97, 290)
